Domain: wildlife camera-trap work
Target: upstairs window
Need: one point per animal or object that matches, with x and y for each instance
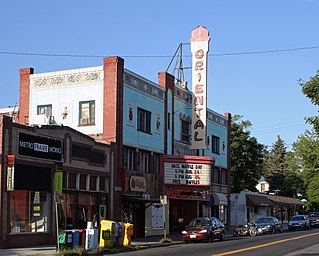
(156, 163)
(87, 112)
(215, 145)
(144, 120)
(45, 110)
(216, 175)
(223, 176)
(128, 158)
(185, 133)
(144, 160)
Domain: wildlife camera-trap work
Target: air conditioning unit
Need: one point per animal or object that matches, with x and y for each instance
(51, 120)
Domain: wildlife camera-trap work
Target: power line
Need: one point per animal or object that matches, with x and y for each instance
(157, 56)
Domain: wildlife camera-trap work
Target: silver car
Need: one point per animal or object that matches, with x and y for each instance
(298, 222)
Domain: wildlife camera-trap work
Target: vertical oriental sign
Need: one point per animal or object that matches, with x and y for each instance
(199, 47)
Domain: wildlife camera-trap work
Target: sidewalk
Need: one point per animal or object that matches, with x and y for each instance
(139, 243)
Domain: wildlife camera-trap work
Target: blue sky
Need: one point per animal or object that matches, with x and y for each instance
(262, 87)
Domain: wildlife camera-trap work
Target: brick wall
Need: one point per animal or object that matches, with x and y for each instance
(166, 80)
(24, 98)
(113, 121)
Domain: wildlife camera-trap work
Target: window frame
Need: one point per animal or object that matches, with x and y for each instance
(91, 112)
(215, 145)
(46, 107)
(144, 118)
(185, 136)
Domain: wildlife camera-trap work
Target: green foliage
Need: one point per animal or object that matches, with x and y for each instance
(313, 188)
(275, 166)
(305, 159)
(311, 90)
(246, 156)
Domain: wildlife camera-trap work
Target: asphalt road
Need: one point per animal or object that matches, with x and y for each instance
(287, 243)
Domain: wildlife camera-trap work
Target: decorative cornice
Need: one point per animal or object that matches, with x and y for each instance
(66, 79)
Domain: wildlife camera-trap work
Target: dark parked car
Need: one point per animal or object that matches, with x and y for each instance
(314, 219)
(298, 222)
(204, 228)
(269, 224)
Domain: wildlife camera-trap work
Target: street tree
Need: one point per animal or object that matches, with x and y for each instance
(306, 160)
(246, 156)
(311, 90)
(275, 165)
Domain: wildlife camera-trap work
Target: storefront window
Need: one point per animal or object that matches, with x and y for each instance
(75, 210)
(29, 211)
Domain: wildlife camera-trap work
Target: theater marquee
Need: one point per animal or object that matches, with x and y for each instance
(199, 47)
(187, 174)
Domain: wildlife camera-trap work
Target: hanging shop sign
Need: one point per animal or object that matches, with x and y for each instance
(10, 172)
(10, 178)
(199, 47)
(187, 174)
(137, 183)
(41, 147)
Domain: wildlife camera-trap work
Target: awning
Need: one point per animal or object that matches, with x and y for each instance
(285, 200)
(256, 200)
(218, 199)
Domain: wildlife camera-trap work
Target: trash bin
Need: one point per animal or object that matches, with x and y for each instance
(107, 233)
(82, 234)
(75, 238)
(119, 233)
(128, 234)
(65, 239)
(91, 239)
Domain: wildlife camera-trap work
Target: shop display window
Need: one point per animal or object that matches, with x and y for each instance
(75, 210)
(29, 211)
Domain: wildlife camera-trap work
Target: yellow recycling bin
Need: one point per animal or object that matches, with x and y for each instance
(128, 234)
(107, 233)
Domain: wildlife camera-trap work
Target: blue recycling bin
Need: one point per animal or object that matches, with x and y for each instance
(75, 239)
(119, 234)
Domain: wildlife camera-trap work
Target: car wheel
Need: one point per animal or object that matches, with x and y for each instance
(186, 242)
(273, 230)
(280, 230)
(222, 236)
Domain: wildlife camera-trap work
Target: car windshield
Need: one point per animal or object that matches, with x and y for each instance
(265, 220)
(298, 218)
(315, 214)
(199, 222)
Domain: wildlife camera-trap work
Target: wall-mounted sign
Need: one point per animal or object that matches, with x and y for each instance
(130, 115)
(187, 174)
(137, 183)
(199, 47)
(10, 160)
(10, 178)
(38, 146)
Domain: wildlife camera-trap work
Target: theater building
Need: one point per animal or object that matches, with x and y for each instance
(44, 167)
(143, 120)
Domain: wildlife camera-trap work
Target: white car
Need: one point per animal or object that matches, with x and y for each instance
(298, 222)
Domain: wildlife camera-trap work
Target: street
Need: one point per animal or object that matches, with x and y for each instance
(268, 244)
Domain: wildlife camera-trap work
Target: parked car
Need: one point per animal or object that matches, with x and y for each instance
(314, 219)
(269, 224)
(298, 222)
(204, 229)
